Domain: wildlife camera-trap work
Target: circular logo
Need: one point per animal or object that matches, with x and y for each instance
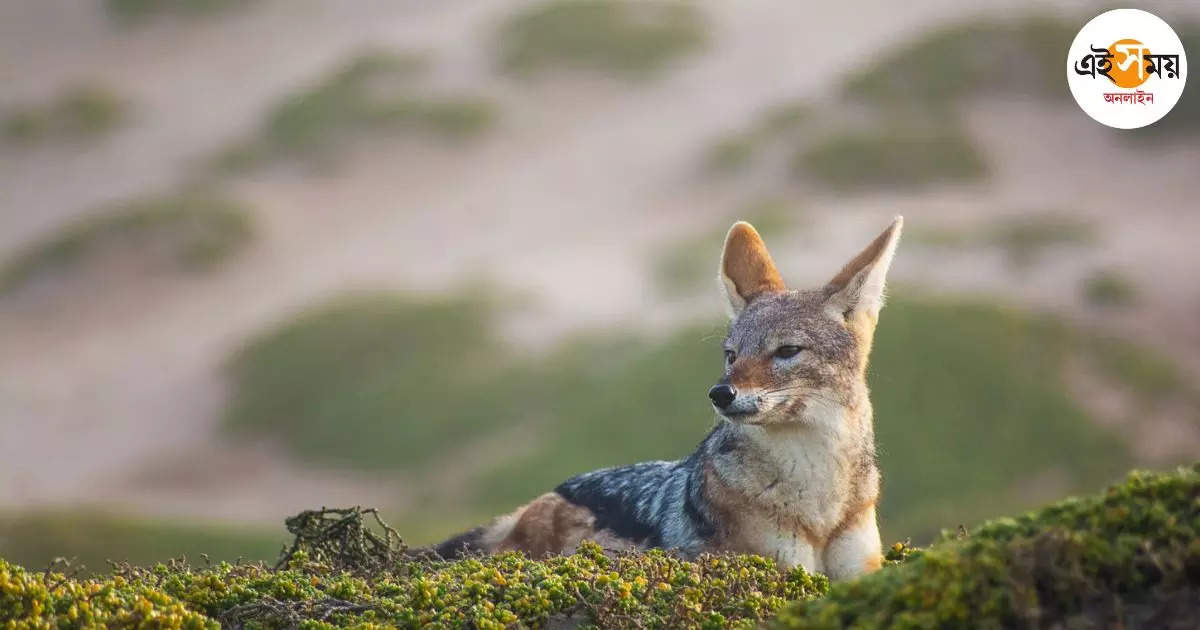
(1126, 68)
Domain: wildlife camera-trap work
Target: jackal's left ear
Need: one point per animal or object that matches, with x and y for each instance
(858, 288)
(747, 270)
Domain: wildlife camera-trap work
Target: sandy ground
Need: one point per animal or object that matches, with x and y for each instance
(107, 391)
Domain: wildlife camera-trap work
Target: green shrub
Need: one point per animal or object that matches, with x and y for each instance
(1025, 238)
(892, 158)
(1128, 558)
(936, 70)
(733, 152)
(190, 230)
(950, 378)
(618, 36)
(777, 123)
(1109, 288)
(1151, 377)
(82, 112)
(377, 380)
(134, 10)
(373, 93)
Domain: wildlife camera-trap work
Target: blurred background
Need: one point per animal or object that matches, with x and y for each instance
(259, 256)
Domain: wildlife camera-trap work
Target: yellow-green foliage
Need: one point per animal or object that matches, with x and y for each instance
(655, 589)
(39, 600)
(1129, 557)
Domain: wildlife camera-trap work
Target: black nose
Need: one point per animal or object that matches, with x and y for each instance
(722, 395)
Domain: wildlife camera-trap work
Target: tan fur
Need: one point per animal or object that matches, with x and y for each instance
(747, 270)
(755, 372)
(548, 524)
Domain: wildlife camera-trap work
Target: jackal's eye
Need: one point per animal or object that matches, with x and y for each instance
(787, 352)
(730, 356)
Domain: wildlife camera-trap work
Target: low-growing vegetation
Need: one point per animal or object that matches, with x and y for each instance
(779, 123)
(378, 366)
(1108, 288)
(1153, 379)
(937, 70)
(894, 157)
(188, 231)
(374, 93)
(621, 37)
(80, 113)
(1128, 557)
(1026, 238)
(138, 10)
(1023, 238)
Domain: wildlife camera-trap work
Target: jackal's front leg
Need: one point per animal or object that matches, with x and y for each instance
(855, 549)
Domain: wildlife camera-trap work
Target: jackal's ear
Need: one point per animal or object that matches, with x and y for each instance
(747, 270)
(858, 288)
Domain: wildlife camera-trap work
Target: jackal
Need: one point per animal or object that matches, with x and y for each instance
(789, 472)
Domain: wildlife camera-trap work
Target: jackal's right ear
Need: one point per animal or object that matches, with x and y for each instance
(747, 270)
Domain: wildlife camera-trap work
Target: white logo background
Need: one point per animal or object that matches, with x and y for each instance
(1101, 32)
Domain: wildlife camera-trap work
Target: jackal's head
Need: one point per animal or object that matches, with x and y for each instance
(797, 355)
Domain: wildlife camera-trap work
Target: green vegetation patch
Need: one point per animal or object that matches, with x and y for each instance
(986, 385)
(1108, 288)
(89, 539)
(378, 381)
(80, 113)
(936, 70)
(781, 122)
(375, 92)
(1150, 376)
(189, 230)
(623, 37)
(137, 10)
(894, 157)
(1024, 238)
(591, 587)
(1128, 558)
